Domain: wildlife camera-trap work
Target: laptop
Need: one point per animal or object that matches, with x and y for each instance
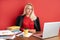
(51, 29)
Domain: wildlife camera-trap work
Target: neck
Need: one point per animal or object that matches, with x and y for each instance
(27, 15)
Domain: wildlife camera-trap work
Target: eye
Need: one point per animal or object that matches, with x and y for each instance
(27, 8)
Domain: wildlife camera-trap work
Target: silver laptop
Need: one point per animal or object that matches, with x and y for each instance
(51, 29)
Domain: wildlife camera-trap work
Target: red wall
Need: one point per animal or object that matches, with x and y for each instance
(46, 10)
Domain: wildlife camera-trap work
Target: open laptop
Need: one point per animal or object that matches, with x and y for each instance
(51, 29)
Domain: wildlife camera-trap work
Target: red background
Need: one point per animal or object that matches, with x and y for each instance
(46, 10)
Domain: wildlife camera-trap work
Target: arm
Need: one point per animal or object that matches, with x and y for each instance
(37, 24)
(19, 21)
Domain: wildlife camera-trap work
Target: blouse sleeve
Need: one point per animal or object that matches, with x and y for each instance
(37, 24)
(18, 21)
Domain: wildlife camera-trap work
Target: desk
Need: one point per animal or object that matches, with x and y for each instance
(35, 38)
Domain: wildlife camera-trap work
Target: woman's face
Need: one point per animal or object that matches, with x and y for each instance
(29, 10)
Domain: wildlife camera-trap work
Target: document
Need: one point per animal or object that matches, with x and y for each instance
(22, 34)
(6, 34)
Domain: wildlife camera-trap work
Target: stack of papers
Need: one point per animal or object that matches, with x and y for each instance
(6, 34)
(2, 39)
(16, 32)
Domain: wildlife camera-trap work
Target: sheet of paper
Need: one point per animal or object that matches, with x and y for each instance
(2, 39)
(5, 32)
(7, 37)
(29, 34)
(16, 31)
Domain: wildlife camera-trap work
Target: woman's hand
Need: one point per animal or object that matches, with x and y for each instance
(32, 30)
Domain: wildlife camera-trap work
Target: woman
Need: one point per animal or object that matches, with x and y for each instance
(28, 19)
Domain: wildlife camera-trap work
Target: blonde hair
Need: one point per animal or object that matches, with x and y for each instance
(32, 16)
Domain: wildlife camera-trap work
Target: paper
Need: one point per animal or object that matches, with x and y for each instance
(16, 31)
(2, 39)
(7, 37)
(6, 32)
(29, 34)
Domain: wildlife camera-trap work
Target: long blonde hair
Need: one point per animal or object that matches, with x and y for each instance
(32, 16)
